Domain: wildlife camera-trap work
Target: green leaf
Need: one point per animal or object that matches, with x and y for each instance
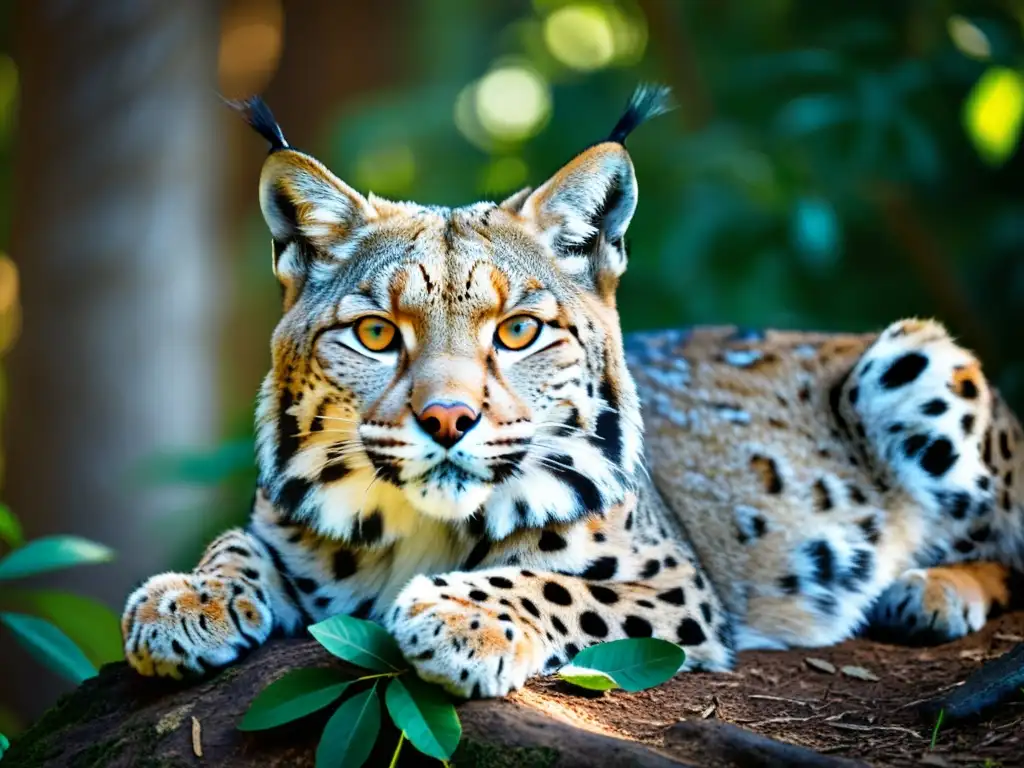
(50, 554)
(49, 646)
(359, 642)
(635, 663)
(89, 624)
(351, 732)
(591, 679)
(425, 715)
(10, 528)
(4, 745)
(296, 694)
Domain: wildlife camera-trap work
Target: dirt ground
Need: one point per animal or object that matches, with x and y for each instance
(788, 696)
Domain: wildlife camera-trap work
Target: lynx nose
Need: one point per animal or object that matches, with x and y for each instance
(446, 422)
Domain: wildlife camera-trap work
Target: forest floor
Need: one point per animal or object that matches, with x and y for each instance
(853, 704)
(814, 699)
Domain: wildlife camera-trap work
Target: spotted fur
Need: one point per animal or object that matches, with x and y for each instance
(791, 486)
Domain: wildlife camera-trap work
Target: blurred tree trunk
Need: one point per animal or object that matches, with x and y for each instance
(333, 52)
(116, 236)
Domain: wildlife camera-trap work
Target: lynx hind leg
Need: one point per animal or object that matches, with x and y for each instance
(177, 624)
(936, 605)
(923, 406)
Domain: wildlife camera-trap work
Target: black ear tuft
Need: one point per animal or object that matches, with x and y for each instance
(258, 115)
(648, 100)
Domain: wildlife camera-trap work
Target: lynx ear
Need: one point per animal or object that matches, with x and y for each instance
(583, 211)
(302, 200)
(309, 210)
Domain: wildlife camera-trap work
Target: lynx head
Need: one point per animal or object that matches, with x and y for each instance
(464, 364)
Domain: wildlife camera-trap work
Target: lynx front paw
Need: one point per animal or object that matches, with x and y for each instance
(176, 624)
(464, 639)
(936, 605)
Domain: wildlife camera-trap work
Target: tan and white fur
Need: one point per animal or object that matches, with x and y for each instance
(780, 489)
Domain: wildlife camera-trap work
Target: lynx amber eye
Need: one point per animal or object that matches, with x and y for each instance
(518, 332)
(376, 334)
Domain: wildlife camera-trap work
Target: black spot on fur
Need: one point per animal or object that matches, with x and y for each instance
(1004, 446)
(822, 561)
(853, 394)
(292, 494)
(332, 473)
(552, 662)
(480, 551)
(602, 569)
(939, 457)
(968, 389)
(790, 584)
(674, 596)
(287, 430)
(967, 424)
(343, 564)
(364, 609)
(935, 407)
(368, 530)
(530, 607)
(439, 582)
(913, 445)
(984, 533)
(650, 570)
(964, 546)
(309, 586)
(500, 582)
(769, 472)
(556, 593)
(477, 594)
(551, 542)
(634, 626)
(593, 624)
(559, 626)
(705, 611)
(822, 497)
(903, 370)
(588, 497)
(571, 649)
(690, 632)
(603, 594)
(609, 429)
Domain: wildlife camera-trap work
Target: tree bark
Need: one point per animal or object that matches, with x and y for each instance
(122, 720)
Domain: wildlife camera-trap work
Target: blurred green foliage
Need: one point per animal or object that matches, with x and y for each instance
(67, 633)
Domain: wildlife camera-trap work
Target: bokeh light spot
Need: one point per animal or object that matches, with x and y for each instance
(992, 113)
(581, 36)
(968, 38)
(386, 170)
(250, 45)
(503, 175)
(512, 102)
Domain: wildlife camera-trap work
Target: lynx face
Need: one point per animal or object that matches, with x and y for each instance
(461, 364)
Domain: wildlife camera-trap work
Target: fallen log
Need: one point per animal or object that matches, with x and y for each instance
(120, 719)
